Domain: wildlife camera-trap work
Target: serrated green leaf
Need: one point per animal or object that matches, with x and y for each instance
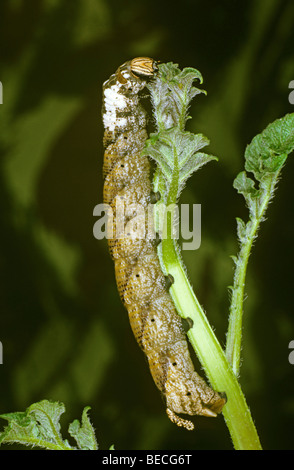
(241, 229)
(177, 151)
(47, 415)
(199, 159)
(39, 426)
(279, 135)
(171, 93)
(83, 433)
(21, 429)
(268, 151)
(245, 186)
(265, 157)
(274, 163)
(160, 153)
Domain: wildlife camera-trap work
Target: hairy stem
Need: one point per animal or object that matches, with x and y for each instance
(234, 335)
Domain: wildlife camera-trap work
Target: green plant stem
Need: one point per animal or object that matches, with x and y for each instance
(210, 354)
(234, 336)
(205, 343)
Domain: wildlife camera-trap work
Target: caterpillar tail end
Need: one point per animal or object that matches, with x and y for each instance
(184, 423)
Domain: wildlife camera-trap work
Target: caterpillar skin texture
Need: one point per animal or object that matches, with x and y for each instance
(142, 286)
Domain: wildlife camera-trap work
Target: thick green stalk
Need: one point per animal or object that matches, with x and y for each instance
(206, 345)
(210, 353)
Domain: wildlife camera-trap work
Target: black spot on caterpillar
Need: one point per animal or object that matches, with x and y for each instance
(187, 324)
(140, 281)
(155, 197)
(169, 280)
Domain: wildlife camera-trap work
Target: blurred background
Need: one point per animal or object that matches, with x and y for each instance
(64, 331)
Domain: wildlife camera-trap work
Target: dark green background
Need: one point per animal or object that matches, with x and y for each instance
(64, 331)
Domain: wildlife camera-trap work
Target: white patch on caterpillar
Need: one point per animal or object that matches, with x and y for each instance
(113, 98)
(114, 101)
(111, 122)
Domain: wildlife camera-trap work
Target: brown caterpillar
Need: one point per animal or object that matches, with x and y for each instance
(141, 283)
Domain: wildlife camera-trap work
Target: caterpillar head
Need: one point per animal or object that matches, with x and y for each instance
(143, 67)
(136, 72)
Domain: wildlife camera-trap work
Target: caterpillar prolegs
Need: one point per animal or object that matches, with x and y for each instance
(140, 281)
